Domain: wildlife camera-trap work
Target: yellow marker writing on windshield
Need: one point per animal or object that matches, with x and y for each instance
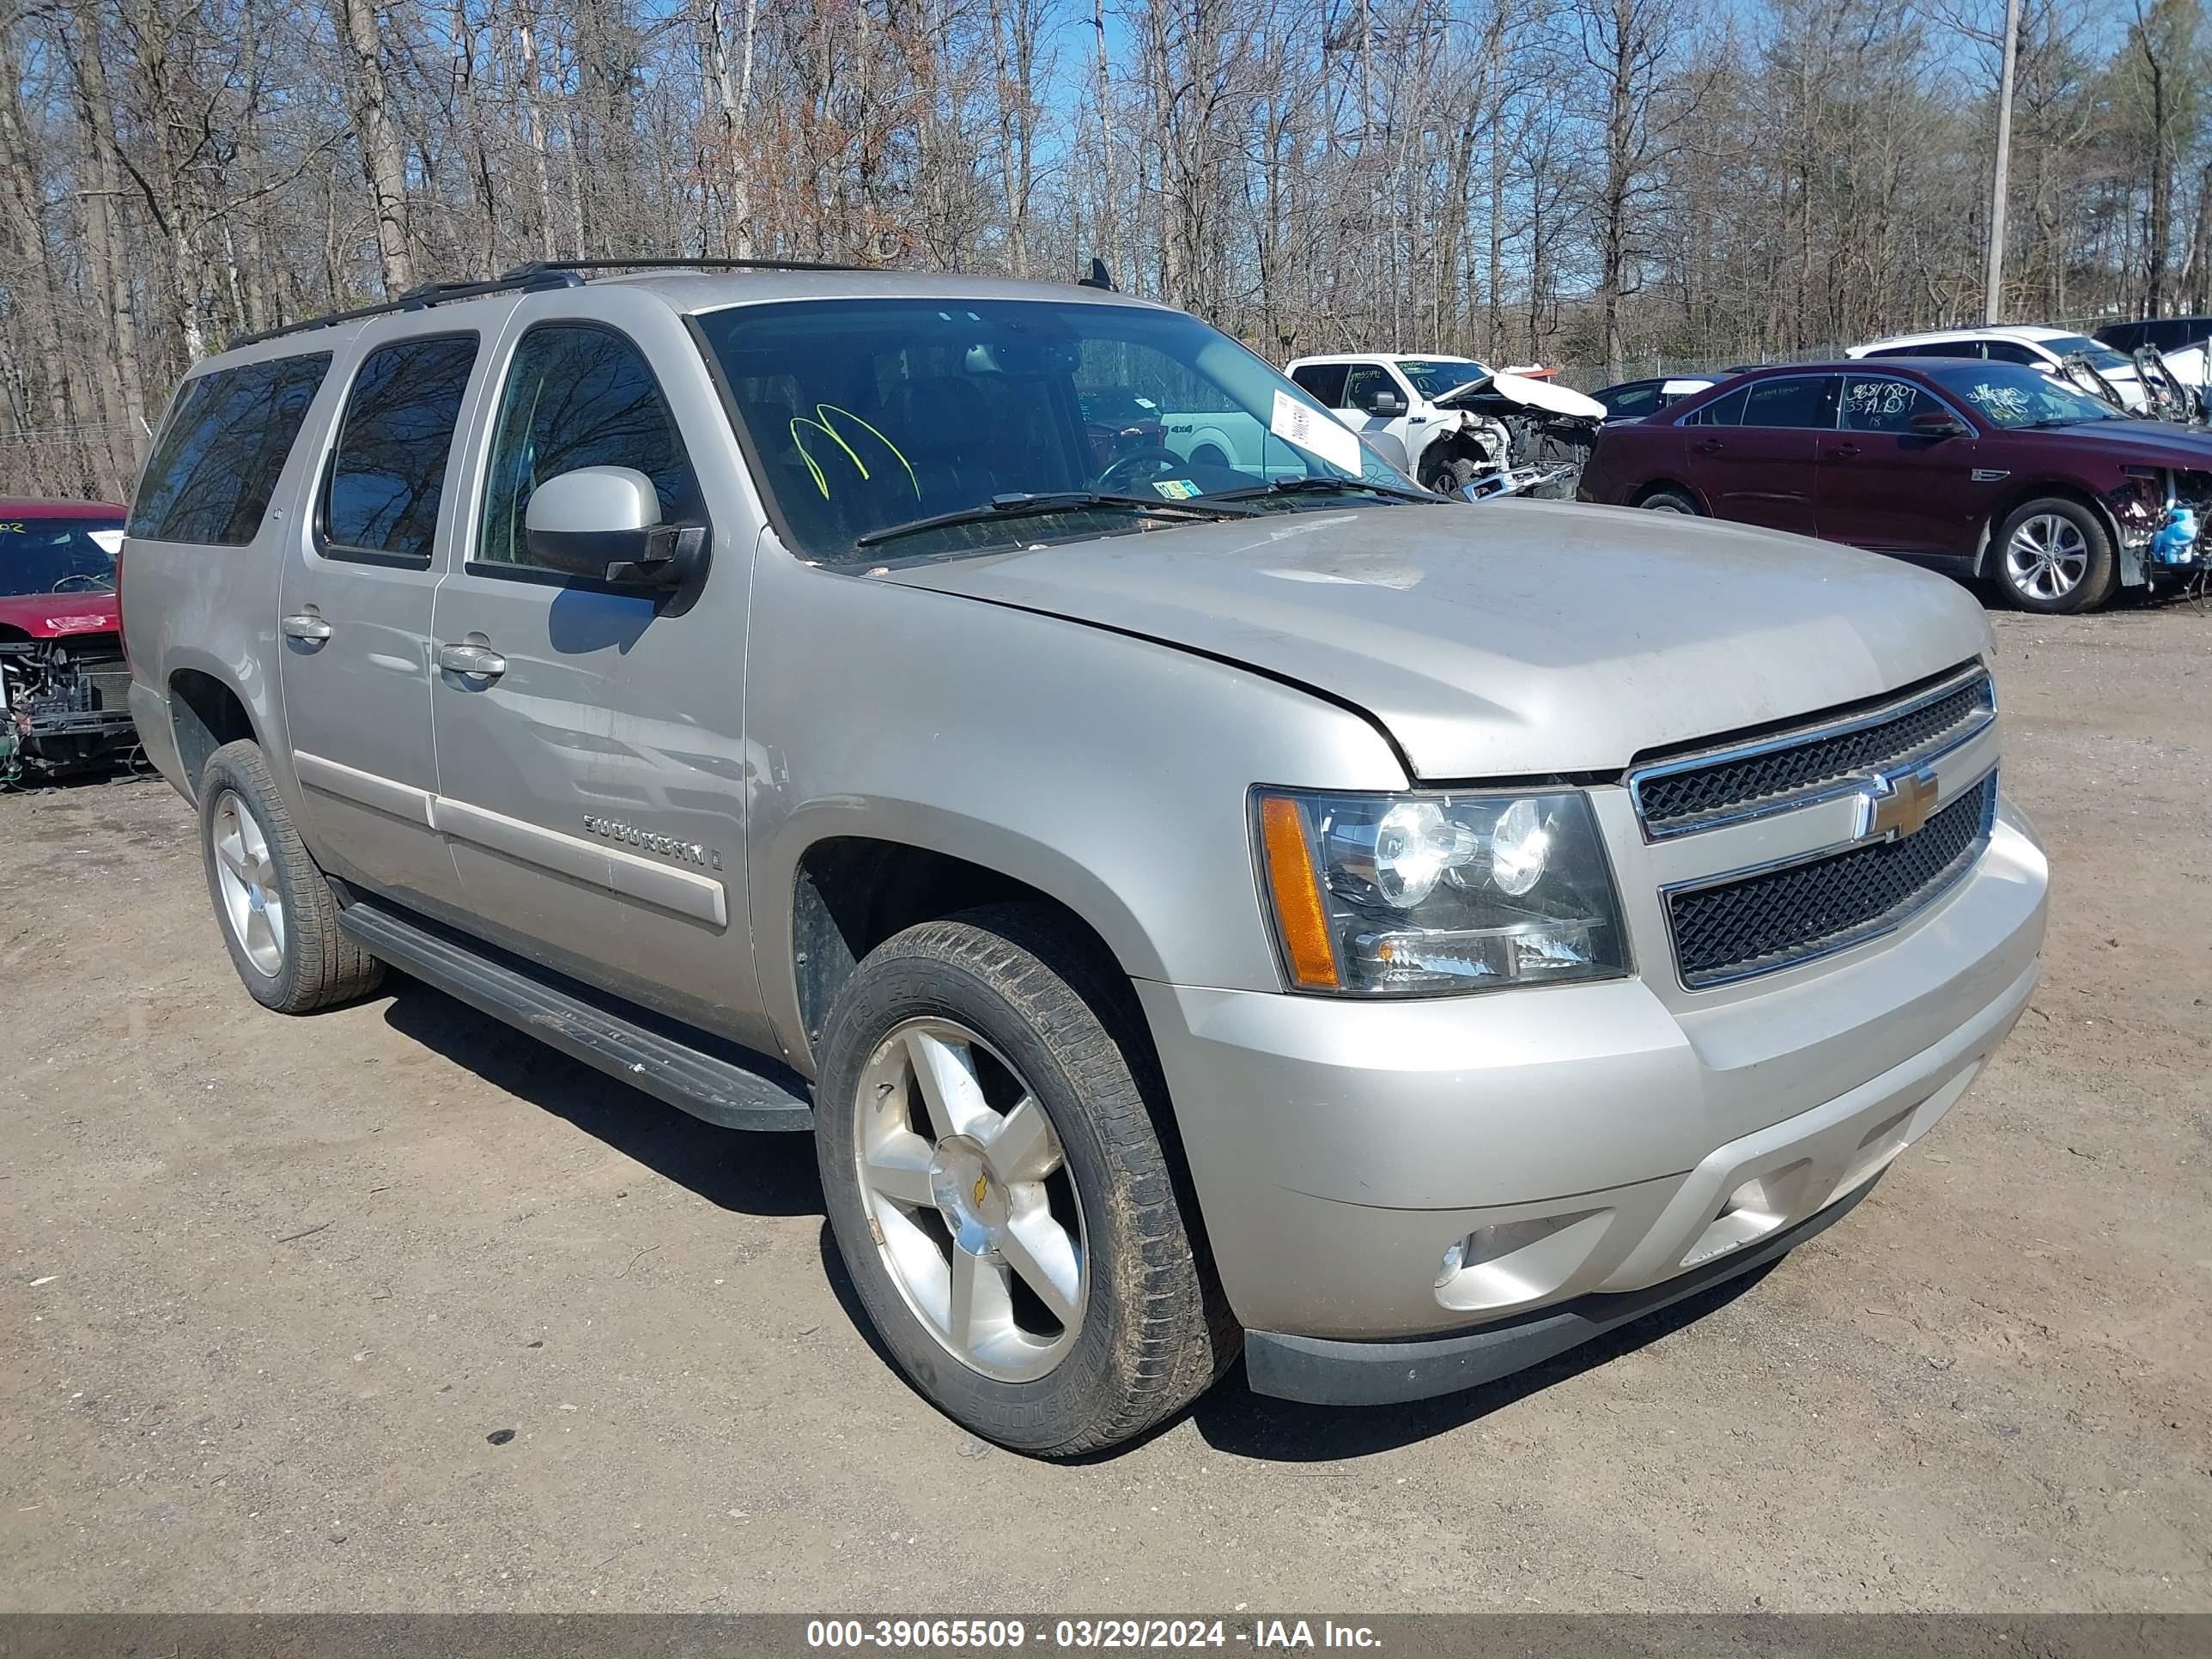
(823, 423)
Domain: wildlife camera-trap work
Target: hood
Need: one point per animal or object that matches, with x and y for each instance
(1525, 393)
(1512, 638)
(55, 616)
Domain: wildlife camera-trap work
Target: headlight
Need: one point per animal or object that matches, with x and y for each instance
(1421, 895)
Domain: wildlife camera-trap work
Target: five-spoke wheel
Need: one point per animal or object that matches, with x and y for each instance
(977, 1222)
(252, 903)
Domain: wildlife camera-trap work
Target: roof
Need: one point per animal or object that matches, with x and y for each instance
(1389, 357)
(29, 507)
(1993, 332)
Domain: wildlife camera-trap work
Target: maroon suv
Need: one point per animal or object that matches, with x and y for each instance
(1983, 468)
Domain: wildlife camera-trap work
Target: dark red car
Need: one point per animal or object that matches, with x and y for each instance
(1986, 469)
(63, 682)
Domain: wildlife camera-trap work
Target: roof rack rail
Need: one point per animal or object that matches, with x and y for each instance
(537, 274)
(422, 297)
(538, 267)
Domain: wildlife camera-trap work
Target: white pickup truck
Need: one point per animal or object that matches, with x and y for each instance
(1456, 417)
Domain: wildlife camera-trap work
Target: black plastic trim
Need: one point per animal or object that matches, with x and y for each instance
(1325, 1371)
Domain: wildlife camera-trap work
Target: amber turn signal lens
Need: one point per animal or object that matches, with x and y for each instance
(1297, 893)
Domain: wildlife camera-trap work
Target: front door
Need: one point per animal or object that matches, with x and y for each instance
(589, 736)
(1761, 469)
(360, 575)
(1886, 487)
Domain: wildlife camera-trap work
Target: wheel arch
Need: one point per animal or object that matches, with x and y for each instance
(206, 711)
(1644, 492)
(2043, 489)
(853, 885)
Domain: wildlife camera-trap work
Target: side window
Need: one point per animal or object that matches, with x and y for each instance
(1364, 383)
(1800, 400)
(1634, 403)
(211, 476)
(1724, 411)
(1325, 382)
(387, 471)
(577, 396)
(1877, 403)
(2011, 351)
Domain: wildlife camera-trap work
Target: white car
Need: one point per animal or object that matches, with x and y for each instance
(1445, 411)
(2046, 349)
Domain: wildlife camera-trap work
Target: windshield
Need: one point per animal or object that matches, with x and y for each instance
(868, 416)
(1432, 377)
(2099, 354)
(59, 555)
(2012, 396)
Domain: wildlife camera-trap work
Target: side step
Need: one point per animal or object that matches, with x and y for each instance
(707, 1086)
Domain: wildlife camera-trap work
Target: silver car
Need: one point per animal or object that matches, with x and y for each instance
(1197, 904)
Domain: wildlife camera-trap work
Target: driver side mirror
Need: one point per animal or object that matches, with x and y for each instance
(603, 522)
(1386, 403)
(1935, 424)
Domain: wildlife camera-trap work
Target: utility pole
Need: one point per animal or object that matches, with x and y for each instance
(1993, 291)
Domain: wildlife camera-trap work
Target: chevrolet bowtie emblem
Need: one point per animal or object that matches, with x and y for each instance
(1896, 804)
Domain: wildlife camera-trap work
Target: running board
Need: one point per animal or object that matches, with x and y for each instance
(699, 1083)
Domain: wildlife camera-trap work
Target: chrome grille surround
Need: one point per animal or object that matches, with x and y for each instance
(1743, 923)
(1735, 783)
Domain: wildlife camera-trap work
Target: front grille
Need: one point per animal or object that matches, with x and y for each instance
(1678, 796)
(1758, 923)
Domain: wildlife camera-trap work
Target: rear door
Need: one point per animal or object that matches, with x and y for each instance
(1883, 486)
(589, 735)
(1761, 469)
(360, 573)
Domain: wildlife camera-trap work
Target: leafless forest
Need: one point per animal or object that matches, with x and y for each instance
(1612, 184)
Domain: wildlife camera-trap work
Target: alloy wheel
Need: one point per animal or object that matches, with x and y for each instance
(2047, 557)
(968, 1199)
(253, 902)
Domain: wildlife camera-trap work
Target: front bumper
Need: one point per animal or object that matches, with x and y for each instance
(1595, 1140)
(1322, 1372)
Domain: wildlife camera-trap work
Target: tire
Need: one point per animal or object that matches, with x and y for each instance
(1447, 475)
(2053, 556)
(1672, 501)
(999, 999)
(278, 916)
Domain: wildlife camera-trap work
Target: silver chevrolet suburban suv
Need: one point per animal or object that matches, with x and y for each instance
(1196, 906)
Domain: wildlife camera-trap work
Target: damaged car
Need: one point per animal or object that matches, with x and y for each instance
(1459, 422)
(63, 682)
(1984, 469)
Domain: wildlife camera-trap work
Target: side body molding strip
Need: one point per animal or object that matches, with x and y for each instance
(700, 897)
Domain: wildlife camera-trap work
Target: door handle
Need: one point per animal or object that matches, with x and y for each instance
(1707, 447)
(1843, 451)
(307, 627)
(479, 661)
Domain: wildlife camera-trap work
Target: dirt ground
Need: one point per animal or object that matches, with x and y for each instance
(271, 1287)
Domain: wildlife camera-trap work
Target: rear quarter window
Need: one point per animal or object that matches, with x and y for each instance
(222, 449)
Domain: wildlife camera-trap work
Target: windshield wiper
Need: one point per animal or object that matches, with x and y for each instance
(1027, 505)
(1306, 486)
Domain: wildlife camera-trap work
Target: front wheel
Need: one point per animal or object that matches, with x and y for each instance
(999, 1192)
(1670, 501)
(2053, 556)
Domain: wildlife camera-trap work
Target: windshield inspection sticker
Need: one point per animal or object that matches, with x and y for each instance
(1175, 489)
(1316, 433)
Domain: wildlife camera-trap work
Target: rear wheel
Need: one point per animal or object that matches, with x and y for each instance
(1670, 501)
(279, 918)
(998, 1190)
(2053, 556)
